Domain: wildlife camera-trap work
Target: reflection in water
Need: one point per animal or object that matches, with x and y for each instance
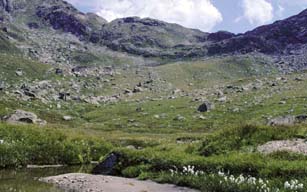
(26, 180)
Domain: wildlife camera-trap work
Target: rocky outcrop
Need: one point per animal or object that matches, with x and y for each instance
(24, 117)
(287, 120)
(294, 146)
(220, 36)
(6, 5)
(148, 37)
(63, 18)
(153, 38)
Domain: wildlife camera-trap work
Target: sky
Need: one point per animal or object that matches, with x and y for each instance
(236, 16)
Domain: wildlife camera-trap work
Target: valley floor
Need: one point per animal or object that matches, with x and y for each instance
(158, 129)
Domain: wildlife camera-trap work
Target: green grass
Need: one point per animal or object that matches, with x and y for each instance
(222, 139)
(23, 145)
(6, 46)
(31, 69)
(213, 72)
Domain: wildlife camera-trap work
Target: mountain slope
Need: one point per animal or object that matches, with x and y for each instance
(274, 38)
(152, 38)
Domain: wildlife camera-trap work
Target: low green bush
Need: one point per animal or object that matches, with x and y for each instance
(235, 138)
(22, 145)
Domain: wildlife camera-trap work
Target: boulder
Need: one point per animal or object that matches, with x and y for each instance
(58, 71)
(179, 118)
(205, 107)
(128, 91)
(64, 96)
(137, 89)
(287, 120)
(19, 72)
(67, 118)
(24, 117)
(295, 146)
(279, 121)
(301, 118)
(2, 85)
(107, 166)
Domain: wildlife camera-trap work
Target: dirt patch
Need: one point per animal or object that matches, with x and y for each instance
(77, 182)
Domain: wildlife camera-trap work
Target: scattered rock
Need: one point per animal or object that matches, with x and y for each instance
(301, 118)
(205, 107)
(282, 102)
(139, 109)
(20, 116)
(19, 72)
(222, 99)
(287, 120)
(177, 91)
(138, 89)
(67, 118)
(280, 121)
(128, 91)
(298, 79)
(179, 118)
(64, 96)
(58, 71)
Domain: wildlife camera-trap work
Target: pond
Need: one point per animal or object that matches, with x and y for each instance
(26, 180)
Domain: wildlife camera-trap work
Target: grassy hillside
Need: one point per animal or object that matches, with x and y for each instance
(158, 131)
(6, 46)
(32, 70)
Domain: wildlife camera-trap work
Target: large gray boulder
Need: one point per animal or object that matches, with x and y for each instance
(287, 120)
(24, 117)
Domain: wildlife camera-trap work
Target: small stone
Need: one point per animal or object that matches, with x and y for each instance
(179, 118)
(67, 118)
(19, 72)
(137, 90)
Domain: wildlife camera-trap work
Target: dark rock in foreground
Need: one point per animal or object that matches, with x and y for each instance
(107, 167)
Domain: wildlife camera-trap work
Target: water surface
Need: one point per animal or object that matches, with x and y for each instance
(26, 180)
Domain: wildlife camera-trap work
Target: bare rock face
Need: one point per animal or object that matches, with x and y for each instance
(24, 117)
(6, 5)
(220, 36)
(63, 18)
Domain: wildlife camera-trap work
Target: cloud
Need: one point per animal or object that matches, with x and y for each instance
(258, 12)
(201, 14)
(280, 11)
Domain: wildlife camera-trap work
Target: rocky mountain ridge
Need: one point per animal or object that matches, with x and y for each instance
(152, 38)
